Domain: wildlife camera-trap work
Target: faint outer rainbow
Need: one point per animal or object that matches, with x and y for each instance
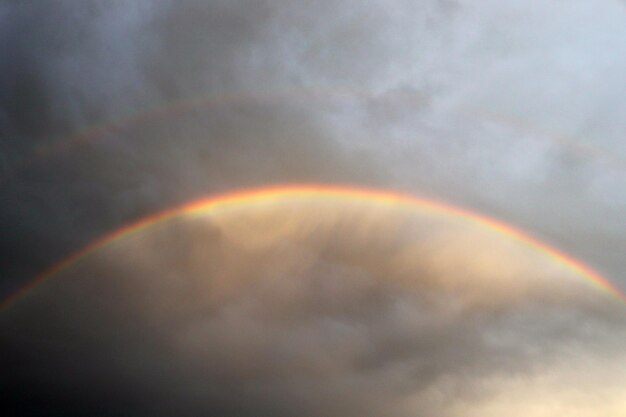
(331, 191)
(173, 109)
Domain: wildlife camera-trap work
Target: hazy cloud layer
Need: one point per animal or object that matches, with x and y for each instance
(316, 307)
(110, 111)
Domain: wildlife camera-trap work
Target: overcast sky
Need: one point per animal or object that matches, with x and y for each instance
(113, 110)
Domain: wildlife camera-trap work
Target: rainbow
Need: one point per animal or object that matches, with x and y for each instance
(96, 132)
(242, 197)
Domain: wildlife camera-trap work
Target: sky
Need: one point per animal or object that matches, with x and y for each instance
(113, 111)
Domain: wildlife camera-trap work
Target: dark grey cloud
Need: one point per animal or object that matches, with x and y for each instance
(75, 65)
(438, 94)
(111, 111)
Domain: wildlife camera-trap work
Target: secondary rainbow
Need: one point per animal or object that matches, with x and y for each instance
(248, 196)
(98, 131)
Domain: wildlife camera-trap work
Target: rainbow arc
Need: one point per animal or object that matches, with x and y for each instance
(242, 197)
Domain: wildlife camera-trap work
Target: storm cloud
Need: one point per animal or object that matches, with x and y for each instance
(111, 111)
(492, 106)
(317, 307)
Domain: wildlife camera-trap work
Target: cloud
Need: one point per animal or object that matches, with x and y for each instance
(111, 112)
(303, 306)
(489, 106)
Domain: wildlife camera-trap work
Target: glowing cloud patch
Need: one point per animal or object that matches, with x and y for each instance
(320, 300)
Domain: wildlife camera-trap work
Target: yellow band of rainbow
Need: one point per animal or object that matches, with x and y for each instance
(332, 191)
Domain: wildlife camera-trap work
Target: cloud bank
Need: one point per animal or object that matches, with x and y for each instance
(316, 307)
(510, 108)
(110, 111)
